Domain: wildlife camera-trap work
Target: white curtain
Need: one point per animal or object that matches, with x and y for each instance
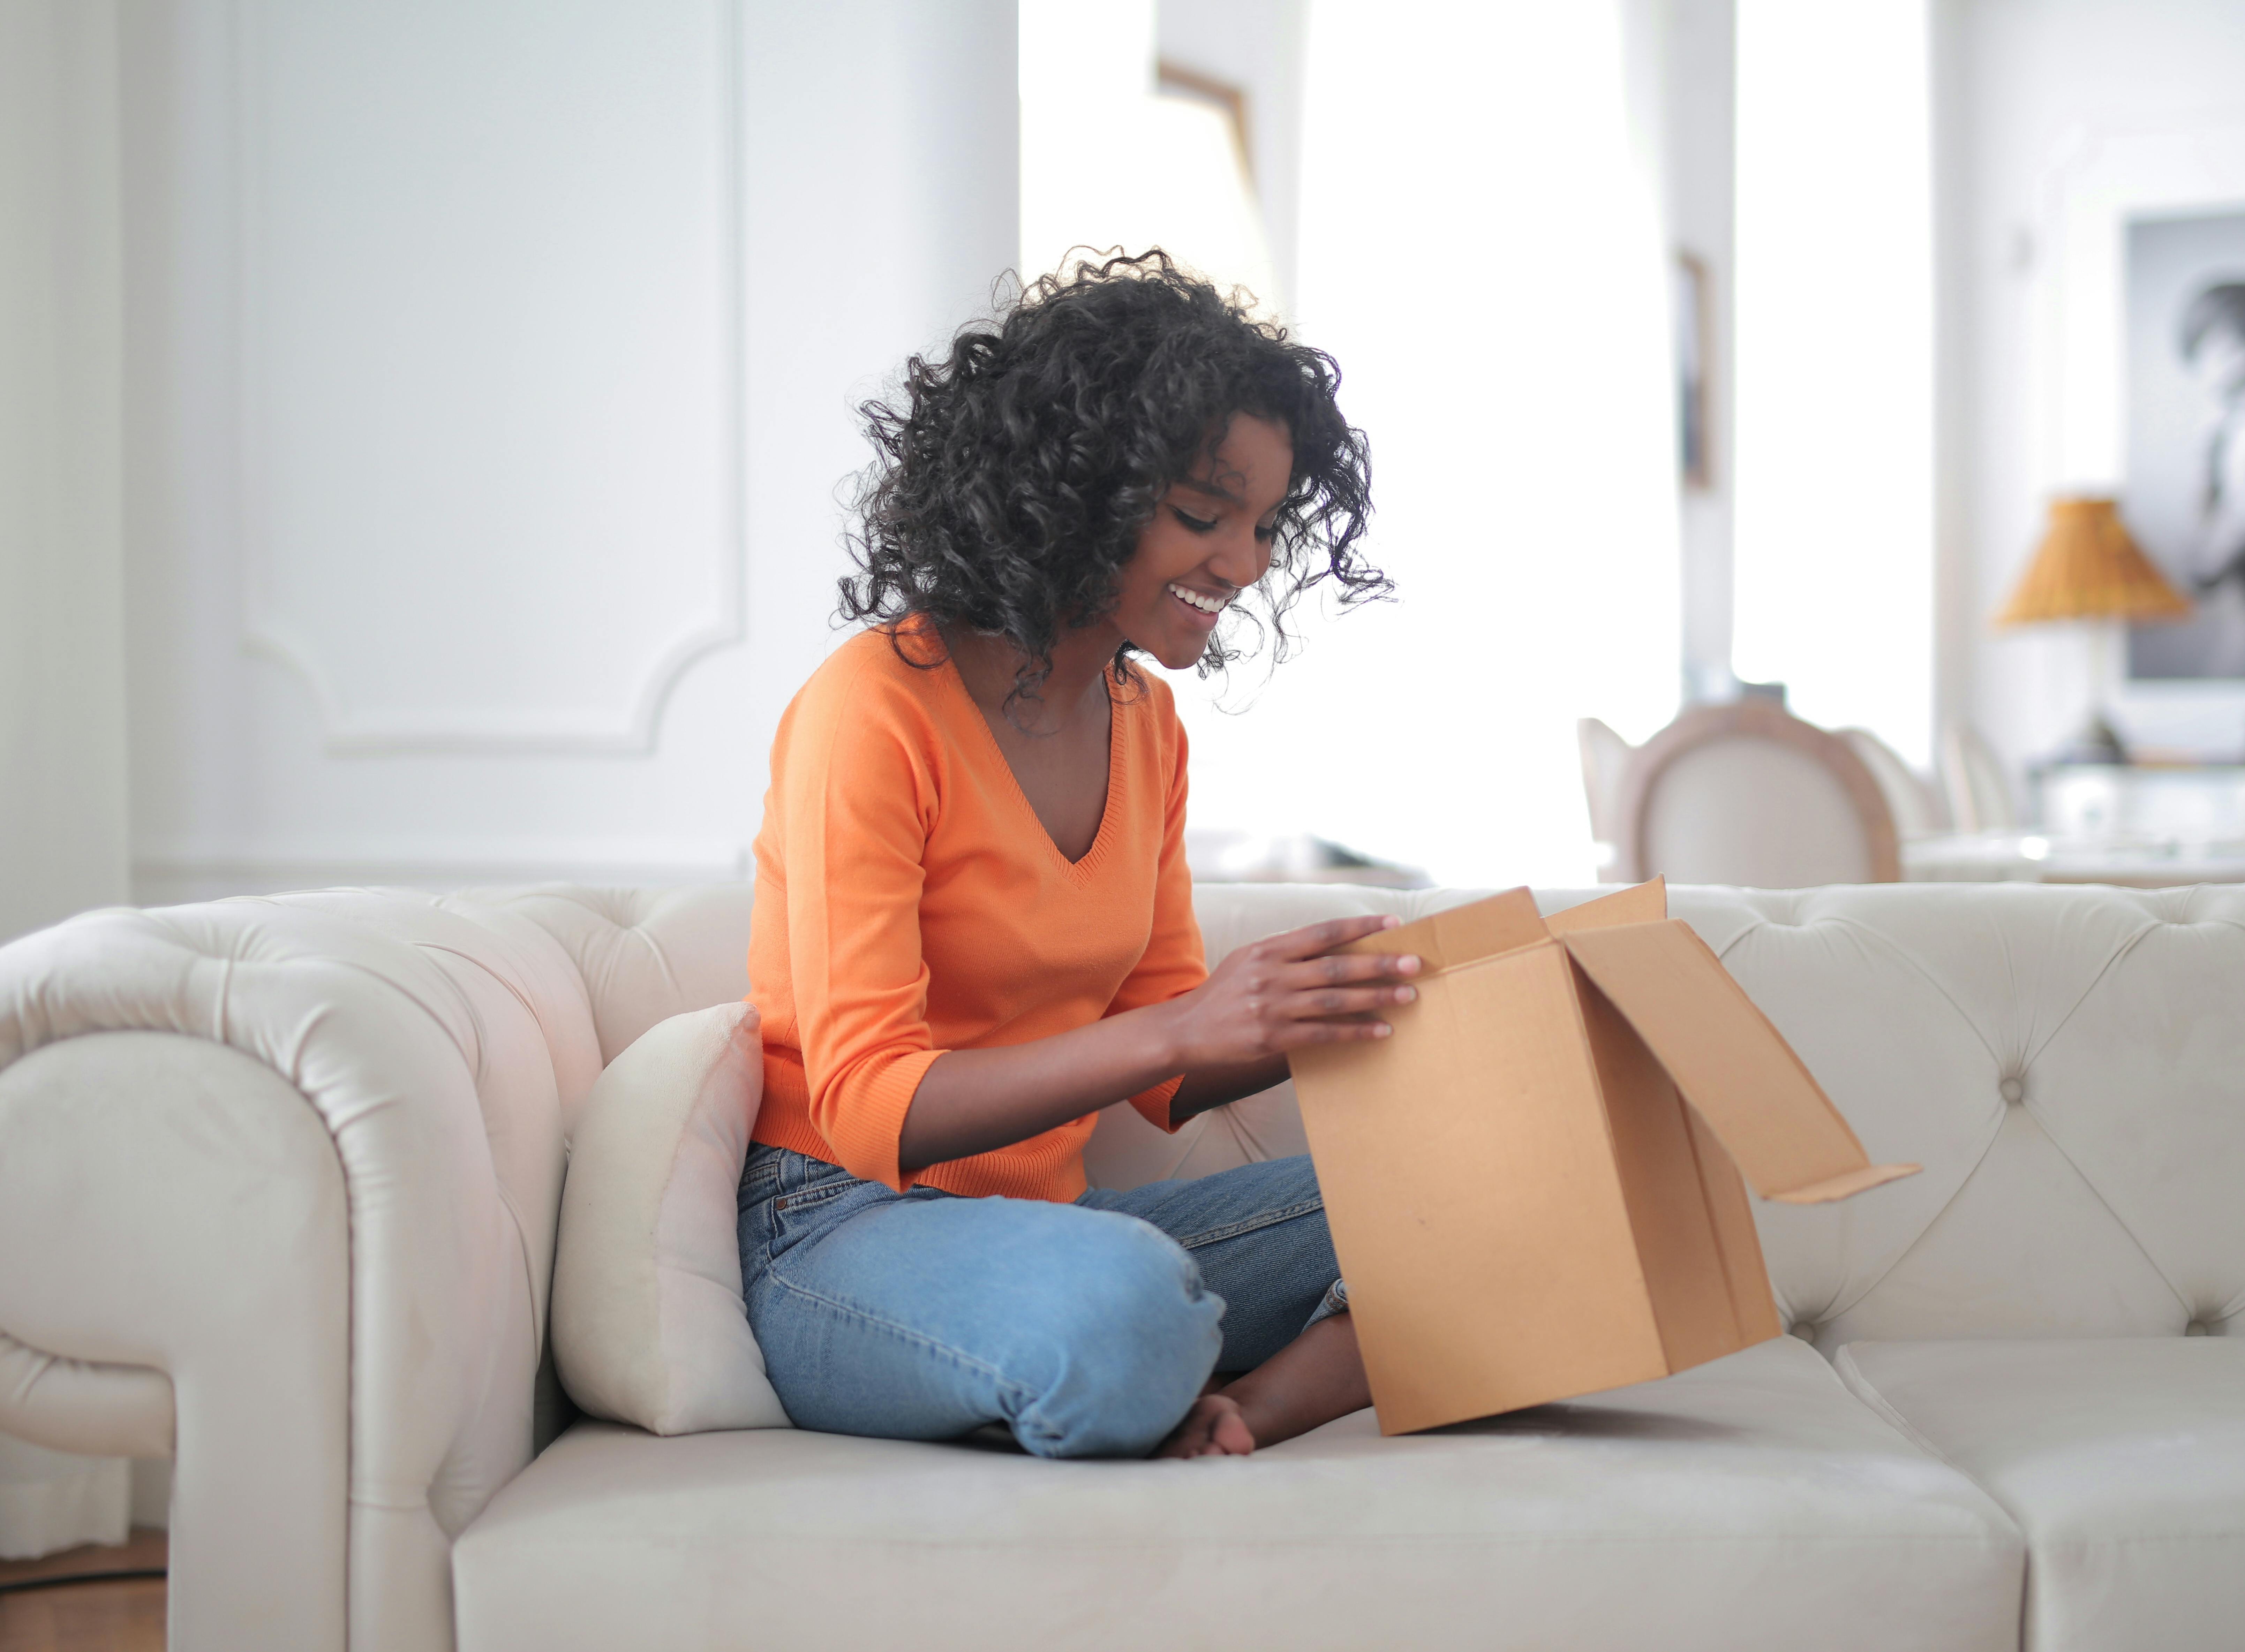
(51, 1500)
(1483, 250)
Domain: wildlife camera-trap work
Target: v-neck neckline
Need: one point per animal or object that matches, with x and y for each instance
(1117, 727)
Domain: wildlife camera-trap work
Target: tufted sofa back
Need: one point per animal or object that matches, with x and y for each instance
(2067, 1063)
(2069, 1066)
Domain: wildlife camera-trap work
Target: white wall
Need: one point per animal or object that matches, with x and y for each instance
(2052, 115)
(62, 697)
(489, 376)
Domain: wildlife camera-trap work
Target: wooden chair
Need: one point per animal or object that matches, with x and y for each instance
(1748, 794)
(1605, 755)
(1979, 793)
(1916, 806)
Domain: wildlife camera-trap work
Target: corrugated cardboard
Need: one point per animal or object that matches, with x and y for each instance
(1534, 1184)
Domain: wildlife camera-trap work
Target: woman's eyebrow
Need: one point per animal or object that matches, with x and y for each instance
(1213, 490)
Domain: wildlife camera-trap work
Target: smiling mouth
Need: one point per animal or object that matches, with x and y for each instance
(1201, 602)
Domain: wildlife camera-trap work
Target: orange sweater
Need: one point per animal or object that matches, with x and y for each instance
(909, 902)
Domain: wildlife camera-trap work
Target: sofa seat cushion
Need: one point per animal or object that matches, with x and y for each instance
(1749, 1503)
(2122, 1460)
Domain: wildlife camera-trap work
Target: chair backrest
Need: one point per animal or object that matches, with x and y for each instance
(1914, 805)
(1979, 792)
(1605, 755)
(1749, 795)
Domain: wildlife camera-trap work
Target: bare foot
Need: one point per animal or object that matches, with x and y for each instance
(1312, 1380)
(1212, 1428)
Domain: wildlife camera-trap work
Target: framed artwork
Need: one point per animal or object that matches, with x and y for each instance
(1694, 306)
(2184, 461)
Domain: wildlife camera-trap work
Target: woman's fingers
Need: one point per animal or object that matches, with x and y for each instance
(1326, 1001)
(1334, 1032)
(1343, 969)
(1295, 988)
(1310, 941)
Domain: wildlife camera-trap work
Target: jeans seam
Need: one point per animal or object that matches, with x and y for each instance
(1251, 1224)
(959, 1355)
(804, 1198)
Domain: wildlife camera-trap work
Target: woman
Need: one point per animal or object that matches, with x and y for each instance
(974, 923)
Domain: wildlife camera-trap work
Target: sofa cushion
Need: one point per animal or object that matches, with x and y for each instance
(2123, 1459)
(1749, 1503)
(648, 1322)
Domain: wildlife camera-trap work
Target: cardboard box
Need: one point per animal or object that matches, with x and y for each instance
(1534, 1185)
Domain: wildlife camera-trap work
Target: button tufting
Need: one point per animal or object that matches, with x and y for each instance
(2012, 1090)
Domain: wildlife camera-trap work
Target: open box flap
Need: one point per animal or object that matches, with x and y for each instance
(1639, 903)
(1505, 923)
(1463, 934)
(1735, 1068)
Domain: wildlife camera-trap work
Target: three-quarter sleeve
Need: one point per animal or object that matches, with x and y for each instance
(1175, 960)
(857, 799)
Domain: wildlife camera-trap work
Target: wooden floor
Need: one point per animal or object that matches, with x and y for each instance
(87, 1617)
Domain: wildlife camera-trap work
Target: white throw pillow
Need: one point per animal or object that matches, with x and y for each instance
(649, 1324)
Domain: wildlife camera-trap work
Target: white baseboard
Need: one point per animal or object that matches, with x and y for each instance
(177, 877)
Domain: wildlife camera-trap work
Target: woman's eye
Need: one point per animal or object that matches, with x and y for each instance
(1193, 522)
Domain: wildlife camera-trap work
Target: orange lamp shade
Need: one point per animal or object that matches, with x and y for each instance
(2088, 568)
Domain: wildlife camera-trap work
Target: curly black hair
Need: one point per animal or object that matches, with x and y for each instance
(1015, 474)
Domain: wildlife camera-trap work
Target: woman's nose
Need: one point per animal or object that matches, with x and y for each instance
(1240, 562)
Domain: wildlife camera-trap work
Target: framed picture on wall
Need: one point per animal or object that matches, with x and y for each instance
(1694, 312)
(2184, 458)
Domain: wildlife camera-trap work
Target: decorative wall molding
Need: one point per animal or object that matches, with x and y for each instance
(629, 724)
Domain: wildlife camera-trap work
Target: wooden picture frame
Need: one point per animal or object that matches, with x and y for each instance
(1695, 325)
(1175, 80)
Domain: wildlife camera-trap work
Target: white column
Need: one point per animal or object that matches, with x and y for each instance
(61, 664)
(1834, 410)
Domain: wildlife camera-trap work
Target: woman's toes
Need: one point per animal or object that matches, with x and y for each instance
(1213, 1427)
(1230, 1434)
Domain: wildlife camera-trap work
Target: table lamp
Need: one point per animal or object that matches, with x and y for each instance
(2088, 568)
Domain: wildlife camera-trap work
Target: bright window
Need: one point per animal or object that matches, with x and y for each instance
(1834, 560)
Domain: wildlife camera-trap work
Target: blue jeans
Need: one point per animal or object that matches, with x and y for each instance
(1087, 1329)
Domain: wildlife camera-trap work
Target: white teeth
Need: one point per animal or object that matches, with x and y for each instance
(1205, 603)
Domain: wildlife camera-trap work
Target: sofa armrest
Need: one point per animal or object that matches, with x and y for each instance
(405, 1058)
(173, 1216)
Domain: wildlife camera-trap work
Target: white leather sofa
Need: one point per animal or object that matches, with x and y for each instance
(278, 1185)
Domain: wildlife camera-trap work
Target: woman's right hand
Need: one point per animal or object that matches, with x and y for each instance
(1290, 990)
